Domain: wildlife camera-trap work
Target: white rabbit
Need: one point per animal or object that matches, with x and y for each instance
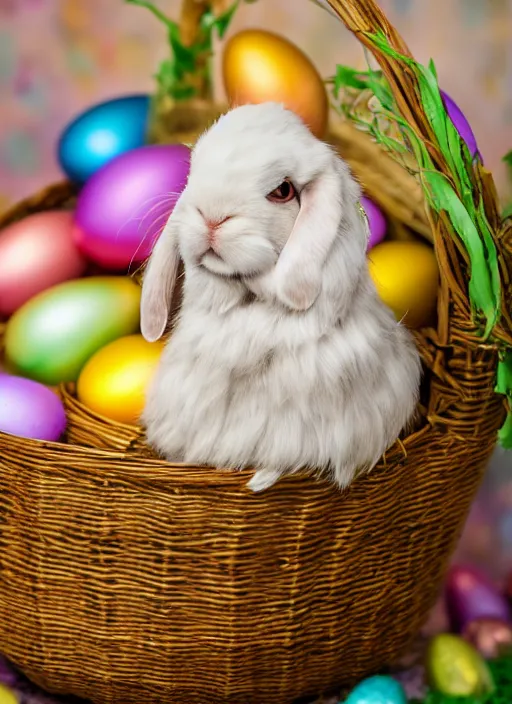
(283, 356)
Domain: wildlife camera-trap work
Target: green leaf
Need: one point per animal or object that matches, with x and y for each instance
(154, 10)
(222, 22)
(504, 377)
(480, 286)
(505, 434)
(508, 158)
(184, 56)
(347, 77)
(432, 68)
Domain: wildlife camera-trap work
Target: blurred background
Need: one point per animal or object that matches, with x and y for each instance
(57, 57)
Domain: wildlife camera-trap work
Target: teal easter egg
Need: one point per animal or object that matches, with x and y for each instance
(380, 689)
(51, 337)
(455, 668)
(102, 133)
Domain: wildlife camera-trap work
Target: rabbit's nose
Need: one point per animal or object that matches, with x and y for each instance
(213, 226)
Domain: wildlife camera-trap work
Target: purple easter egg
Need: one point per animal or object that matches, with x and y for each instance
(459, 120)
(29, 409)
(376, 221)
(124, 206)
(470, 595)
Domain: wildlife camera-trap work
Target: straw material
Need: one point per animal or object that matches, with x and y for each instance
(126, 579)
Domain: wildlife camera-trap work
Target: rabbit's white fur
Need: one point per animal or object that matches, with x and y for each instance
(283, 356)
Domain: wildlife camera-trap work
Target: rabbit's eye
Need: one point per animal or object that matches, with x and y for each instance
(283, 193)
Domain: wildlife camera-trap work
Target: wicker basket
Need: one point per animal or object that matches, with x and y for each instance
(125, 579)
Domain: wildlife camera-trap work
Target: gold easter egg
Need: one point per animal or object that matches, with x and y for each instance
(407, 277)
(260, 66)
(114, 381)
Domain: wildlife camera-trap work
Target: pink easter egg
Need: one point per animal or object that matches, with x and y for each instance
(36, 253)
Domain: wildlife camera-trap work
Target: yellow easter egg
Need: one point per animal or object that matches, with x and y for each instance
(7, 696)
(114, 381)
(260, 66)
(407, 278)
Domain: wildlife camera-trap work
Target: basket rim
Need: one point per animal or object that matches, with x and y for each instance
(163, 472)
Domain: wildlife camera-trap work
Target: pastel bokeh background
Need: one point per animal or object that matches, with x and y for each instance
(57, 57)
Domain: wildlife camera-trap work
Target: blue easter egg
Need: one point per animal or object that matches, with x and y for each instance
(101, 133)
(380, 689)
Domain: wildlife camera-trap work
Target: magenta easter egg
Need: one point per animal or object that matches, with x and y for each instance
(376, 221)
(30, 410)
(471, 595)
(124, 206)
(36, 253)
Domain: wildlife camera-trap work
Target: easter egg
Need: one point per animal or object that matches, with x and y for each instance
(101, 133)
(460, 122)
(30, 410)
(380, 689)
(471, 595)
(35, 254)
(7, 696)
(52, 336)
(376, 221)
(456, 669)
(113, 383)
(123, 208)
(406, 276)
(260, 66)
(492, 637)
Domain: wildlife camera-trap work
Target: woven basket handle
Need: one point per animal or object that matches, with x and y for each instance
(364, 17)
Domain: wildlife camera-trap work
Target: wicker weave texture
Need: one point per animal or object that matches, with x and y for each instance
(125, 579)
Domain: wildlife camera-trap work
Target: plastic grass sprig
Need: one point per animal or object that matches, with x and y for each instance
(458, 159)
(441, 195)
(454, 195)
(178, 75)
(504, 386)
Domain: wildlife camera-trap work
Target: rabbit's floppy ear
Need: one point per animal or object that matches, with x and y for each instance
(298, 272)
(158, 284)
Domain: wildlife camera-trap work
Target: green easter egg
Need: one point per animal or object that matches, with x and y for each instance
(456, 669)
(52, 336)
(6, 696)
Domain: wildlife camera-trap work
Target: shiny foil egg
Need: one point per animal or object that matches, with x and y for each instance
(376, 221)
(380, 689)
(51, 337)
(260, 66)
(456, 669)
(460, 122)
(123, 208)
(406, 276)
(30, 410)
(35, 254)
(101, 133)
(114, 381)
